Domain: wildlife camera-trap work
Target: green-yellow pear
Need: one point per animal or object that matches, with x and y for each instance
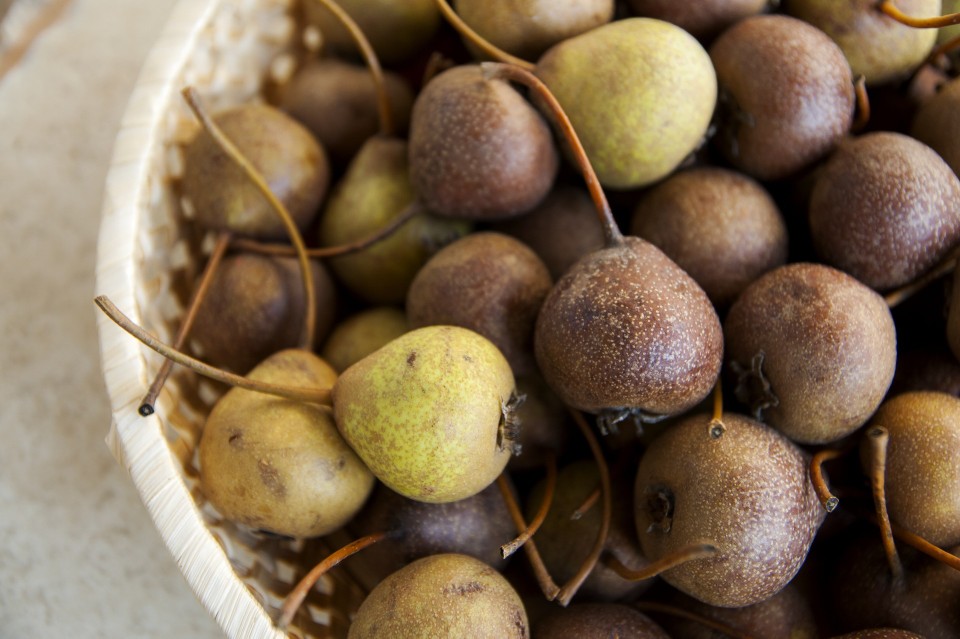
(278, 464)
(640, 93)
(374, 191)
(430, 413)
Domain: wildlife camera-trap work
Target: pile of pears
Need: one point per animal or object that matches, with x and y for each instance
(724, 232)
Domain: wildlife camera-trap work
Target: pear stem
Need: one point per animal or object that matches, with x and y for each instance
(653, 606)
(387, 126)
(878, 438)
(547, 584)
(309, 293)
(493, 70)
(437, 63)
(570, 588)
(863, 103)
(186, 324)
(479, 41)
(936, 22)
(302, 589)
(947, 47)
(587, 504)
(285, 250)
(919, 543)
(827, 498)
(682, 555)
(551, 483)
(299, 393)
(896, 297)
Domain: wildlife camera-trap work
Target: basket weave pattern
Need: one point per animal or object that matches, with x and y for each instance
(149, 255)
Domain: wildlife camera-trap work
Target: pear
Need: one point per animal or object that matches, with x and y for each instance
(375, 190)
(937, 124)
(877, 47)
(431, 413)
(447, 595)
(640, 93)
(361, 334)
(280, 465)
(703, 19)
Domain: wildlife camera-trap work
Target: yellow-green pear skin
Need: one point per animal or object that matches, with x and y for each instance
(374, 191)
(281, 465)
(430, 413)
(640, 93)
(447, 595)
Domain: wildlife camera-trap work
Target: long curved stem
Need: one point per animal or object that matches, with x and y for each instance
(878, 438)
(479, 41)
(499, 70)
(570, 588)
(540, 572)
(511, 547)
(936, 22)
(314, 395)
(284, 250)
(186, 324)
(309, 292)
(302, 589)
(682, 555)
(387, 125)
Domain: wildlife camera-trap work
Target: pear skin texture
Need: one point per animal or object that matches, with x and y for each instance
(885, 208)
(478, 149)
(285, 153)
(280, 465)
(586, 620)
(375, 190)
(427, 413)
(448, 595)
(814, 351)
(363, 333)
(626, 328)
(396, 29)
(877, 47)
(640, 94)
(527, 28)
(703, 19)
(747, 491)
(923, 472)
(937, 123)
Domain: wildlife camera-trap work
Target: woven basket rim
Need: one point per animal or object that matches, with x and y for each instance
(136, 442)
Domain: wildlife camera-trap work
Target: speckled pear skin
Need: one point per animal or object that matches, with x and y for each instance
(877, 47)
(448, 595)
(626, 328)
(430, 413)
(813, 350)
(640, 93)
(288, 157)
(582, 621)
(277, 464)
(748, 492)
(923, 473)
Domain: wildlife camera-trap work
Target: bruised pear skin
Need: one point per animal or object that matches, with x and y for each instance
(430, 413)
(626, 329)
(746, 490)
(448, 595)
(277, 464)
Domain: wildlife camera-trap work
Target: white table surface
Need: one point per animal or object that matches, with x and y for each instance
(79, 556)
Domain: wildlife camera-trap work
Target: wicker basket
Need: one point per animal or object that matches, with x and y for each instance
(147, 256)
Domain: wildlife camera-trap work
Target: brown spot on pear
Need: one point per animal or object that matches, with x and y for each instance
(438, 429)
(447, 595)
(277, 464)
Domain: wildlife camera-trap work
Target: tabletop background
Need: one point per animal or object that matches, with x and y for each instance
(79, 556)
